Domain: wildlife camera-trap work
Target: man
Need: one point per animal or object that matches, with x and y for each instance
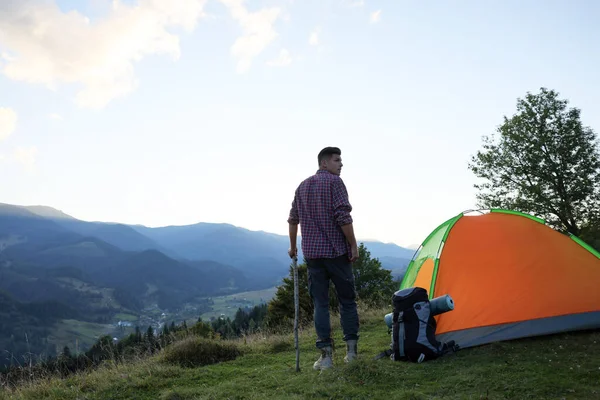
(322, 209)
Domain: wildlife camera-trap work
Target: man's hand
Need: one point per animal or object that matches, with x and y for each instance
(348, 230)
(293, 252)
(353, 253)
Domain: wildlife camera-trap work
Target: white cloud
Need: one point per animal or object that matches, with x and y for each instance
(8, 122)
(284, 59)
(313, 39)
(43, 45)
(56, 117)
(375, 17)
(25, 157)
(258, 32)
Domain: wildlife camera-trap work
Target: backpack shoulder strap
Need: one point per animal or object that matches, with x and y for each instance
(383, 354)
(398, 335)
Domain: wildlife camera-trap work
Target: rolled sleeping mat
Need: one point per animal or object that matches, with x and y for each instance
(389, 319)
(439, 305)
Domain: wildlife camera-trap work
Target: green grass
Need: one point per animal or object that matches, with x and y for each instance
(565, 366)
(125, 317)
(73, 333)
(229, 304)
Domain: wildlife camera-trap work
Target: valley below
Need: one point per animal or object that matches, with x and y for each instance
(81, 335)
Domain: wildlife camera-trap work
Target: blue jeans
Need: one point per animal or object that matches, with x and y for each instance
(339, 271)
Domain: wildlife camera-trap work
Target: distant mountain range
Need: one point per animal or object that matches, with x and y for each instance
(168, 265)
(54, 267)
(51, 237)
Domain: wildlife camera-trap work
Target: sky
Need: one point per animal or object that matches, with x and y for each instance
(160, 112)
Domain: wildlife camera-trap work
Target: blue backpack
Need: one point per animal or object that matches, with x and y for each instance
(413, 328)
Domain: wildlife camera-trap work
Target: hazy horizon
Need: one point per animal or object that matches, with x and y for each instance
(363, 239)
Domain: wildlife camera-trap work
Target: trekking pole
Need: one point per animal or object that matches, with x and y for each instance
(296, 312)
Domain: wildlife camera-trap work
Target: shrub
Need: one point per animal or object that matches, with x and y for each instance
(203, 329)
(194, 351)
(280, 345)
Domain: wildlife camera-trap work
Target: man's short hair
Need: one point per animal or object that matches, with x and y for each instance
(327, 152)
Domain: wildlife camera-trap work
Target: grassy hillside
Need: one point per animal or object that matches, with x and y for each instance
(77, 334)
(228, 305)
(563, 366)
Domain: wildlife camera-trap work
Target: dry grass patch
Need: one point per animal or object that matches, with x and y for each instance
(194, 351)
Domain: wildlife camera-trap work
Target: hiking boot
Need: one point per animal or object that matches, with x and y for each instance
(326, 359)
(351, 350)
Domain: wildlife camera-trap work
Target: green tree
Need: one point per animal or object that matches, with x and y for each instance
(66, 353)
(374, 287)
(150, 334)
(280, 310)
(202, 329)
(542, 161)
(374, 284)
(590, 233)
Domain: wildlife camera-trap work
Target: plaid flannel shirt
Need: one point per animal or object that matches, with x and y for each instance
(321, 207)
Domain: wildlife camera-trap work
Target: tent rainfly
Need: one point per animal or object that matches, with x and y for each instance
(510, 276)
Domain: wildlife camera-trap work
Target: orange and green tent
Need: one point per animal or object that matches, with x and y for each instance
(510, 276)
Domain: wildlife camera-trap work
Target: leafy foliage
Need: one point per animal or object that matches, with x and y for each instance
(374, 284)
(246, 321)
(24, 328)
(281, 308)
(590, 233)
(544, 162)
